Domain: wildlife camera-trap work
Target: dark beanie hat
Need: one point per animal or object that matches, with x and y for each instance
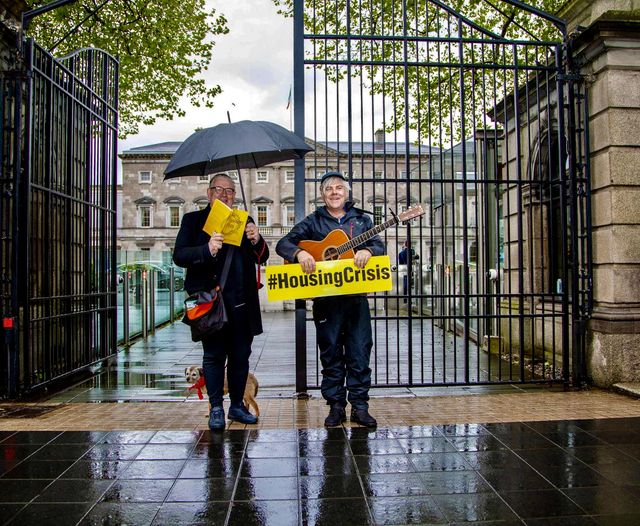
(332, 174)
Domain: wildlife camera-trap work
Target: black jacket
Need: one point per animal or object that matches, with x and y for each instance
(203, 269)
(318, 224)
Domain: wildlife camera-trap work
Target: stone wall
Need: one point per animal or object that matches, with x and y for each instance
(608, 51)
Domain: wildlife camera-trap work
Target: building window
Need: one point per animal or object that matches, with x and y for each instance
(144, 177)
(174, 217)
(204, 178)
(378, 175)
(145, 217)
(174, 180)
(377, 214)
(289, 215)
(262, 176)
(289, 176)
(262, 215)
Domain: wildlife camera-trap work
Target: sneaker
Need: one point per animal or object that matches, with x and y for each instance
(240, 413)
(336, 416)
(216, 418)
(362, 417)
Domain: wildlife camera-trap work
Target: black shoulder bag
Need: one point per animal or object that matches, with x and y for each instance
(204, 311)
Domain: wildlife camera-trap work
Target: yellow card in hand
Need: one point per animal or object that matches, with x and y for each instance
(229, 222)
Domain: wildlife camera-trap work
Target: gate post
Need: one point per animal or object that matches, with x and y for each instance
(298, 124)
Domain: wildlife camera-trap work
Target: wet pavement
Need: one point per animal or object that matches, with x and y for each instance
(583, 472)
(131, 446)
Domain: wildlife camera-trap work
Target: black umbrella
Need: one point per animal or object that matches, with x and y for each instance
(236, 145)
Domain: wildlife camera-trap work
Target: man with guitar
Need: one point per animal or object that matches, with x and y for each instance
(343, 323)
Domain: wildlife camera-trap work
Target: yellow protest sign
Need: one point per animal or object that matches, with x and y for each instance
(331, 278)
(229, 222)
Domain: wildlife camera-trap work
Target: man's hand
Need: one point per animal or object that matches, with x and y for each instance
(306, 261)
(215, 243)
(252, 233)
(361, 258)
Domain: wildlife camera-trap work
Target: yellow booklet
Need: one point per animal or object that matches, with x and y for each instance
(229, 222)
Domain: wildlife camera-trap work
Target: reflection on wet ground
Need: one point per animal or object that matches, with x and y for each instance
(583, 472)
(288, 470)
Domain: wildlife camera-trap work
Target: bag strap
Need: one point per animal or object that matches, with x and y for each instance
(225, 269)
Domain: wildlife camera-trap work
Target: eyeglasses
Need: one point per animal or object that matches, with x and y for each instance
(222, 190)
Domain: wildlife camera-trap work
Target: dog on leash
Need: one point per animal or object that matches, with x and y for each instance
(194, 375)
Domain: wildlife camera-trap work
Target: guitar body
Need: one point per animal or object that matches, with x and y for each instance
(333, 247)
(325, 250)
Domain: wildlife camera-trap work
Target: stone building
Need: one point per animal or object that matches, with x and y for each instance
(152, 207)
(607, 49)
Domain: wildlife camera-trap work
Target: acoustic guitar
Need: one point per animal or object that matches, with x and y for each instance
(337, 245)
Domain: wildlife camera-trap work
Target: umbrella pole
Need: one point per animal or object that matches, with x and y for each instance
(244, 199)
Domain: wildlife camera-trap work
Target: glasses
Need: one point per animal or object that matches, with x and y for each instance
(222, 190)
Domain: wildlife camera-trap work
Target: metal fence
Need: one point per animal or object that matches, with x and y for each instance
(418, 104)
(150, 293)
(59, 141)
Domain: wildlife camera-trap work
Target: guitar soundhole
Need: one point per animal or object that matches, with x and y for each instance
(331, 254)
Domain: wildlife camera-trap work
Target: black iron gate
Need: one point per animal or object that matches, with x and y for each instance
(58, 159)
(419, 104)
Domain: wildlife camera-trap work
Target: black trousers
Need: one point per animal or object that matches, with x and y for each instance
(231, 346)
(343, 332)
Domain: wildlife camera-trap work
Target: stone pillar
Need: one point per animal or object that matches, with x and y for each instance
(608, 51)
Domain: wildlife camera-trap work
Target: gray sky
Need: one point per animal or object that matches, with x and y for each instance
(253, 64)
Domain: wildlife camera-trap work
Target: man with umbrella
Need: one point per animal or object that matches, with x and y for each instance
(204, 256)
(343, 323)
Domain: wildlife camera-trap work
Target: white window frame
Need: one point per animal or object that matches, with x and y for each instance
(259, 174)
(204, 179)
(257, 215)
(169, 208)
(142, 180)
(375, 214)
(174, 180)
(381, 172)
(233, 174)
(285, 214)
(140, 209)
(288, 179)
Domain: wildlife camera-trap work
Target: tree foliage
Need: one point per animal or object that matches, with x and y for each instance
(162, 47)
(434, 61)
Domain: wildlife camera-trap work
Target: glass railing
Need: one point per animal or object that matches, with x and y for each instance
(150, 293)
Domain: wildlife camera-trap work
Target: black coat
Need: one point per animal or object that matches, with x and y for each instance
(319, 223)
(203, 269)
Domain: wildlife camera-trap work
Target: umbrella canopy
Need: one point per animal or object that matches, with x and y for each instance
(232, 146)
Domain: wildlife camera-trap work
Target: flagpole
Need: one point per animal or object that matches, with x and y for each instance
(290, 108)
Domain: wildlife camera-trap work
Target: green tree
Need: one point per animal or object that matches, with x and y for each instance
(455, 63)
(162, 47)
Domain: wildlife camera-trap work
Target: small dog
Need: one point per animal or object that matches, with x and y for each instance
(194, 374)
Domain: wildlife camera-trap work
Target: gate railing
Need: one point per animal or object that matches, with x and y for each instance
(428, 107)
(59, 158)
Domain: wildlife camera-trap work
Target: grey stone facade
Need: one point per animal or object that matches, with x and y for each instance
(609, 53)
(269, 190)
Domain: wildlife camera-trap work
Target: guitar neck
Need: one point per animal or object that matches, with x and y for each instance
(358, 240)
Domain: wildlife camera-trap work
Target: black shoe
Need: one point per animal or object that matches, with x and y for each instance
(337, 415)
(216, 419)
(362, 417)
(241, 414)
